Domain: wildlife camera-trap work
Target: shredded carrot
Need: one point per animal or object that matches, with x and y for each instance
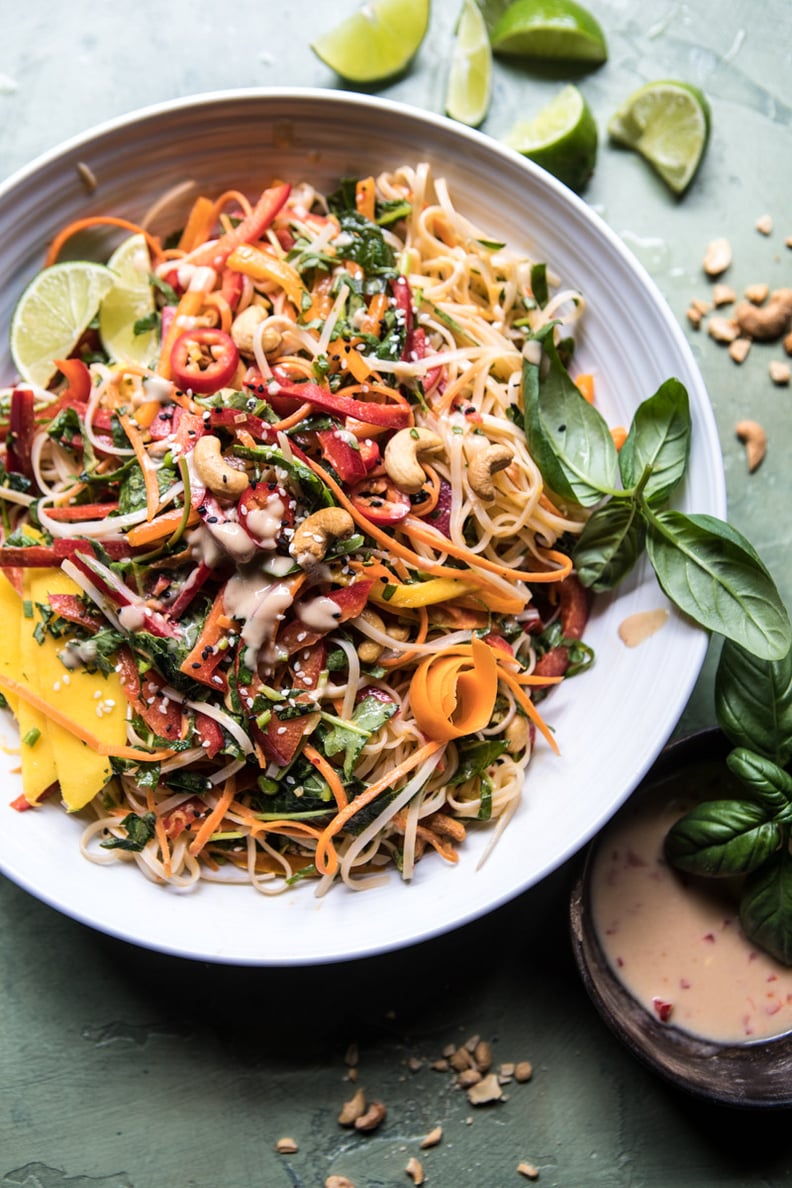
(159, 829)
(145, 464)
(585, 384)
(430, 536)
(210, 823)
(18, 689)
(226, 198)
(378, 307)
(199, 224)
(326, 856)
(289, 422)
(522, 698)
(164, 525)
(344, 355)
(365, 198)
(329, 772)
(452, 693)
(431, 489)
(70, 229)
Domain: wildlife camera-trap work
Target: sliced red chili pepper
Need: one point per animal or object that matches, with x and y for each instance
(345, 458)
(391, 416)
(22, 427)
(369, 452)
(380, 501)
(264, 510)
(203, 360)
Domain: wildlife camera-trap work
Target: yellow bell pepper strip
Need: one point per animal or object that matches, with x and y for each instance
(453, 693)
(420, 593)
(265, 266)
(365, 198)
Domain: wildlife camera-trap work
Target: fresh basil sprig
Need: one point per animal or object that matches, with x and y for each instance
(749, 834)
(704, 566)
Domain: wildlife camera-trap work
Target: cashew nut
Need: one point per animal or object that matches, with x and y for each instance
(245, 330)
(483, 465)
(369, 650)
(213, 470)
(518, 734)
(754, 438)
(402, 457)
(766, 322)
(312, 537)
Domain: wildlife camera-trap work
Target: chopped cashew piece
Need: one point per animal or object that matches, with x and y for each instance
(487, 1090)
(788, 343)
(484, 465)
(764, 224)
(718, 257)
(338, 1182)
(779, 372)
(213, 470)
(722, 329)
(723, 294)
(523, 1071)
(432, 1138)
(373, 1117)
(757, 294)
(528, 1170)
(739, 349)
(636, 628)
(403, 455)
(286, 1146)
(754, 438)
(312, 538)
(415, 1170)
(353, 1109)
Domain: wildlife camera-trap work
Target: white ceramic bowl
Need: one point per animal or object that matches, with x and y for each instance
(610, 723)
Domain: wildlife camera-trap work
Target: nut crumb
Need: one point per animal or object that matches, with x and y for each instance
(338, 1182)
(440, 1065)
(414, 1064)
(449, 1050)
(694, 317)
(764, 224)
(722, 329)
(523, 1071)
(485, 1091)
(432, 1138)
(468, 1077)
(506, 1070)
(286, 1146)
(528, 1170)
(471, 1043)
(636, 628)
(779, 372)
(352, 1074)
(415, 1170)
(353, 1109)
(788, 241)
(738, 350)
(87, 176)
(722, 295)
(373, 1117)
(461, 1060)
(482, 1056)
(788, 343)
(757, 294)
(717, 257)
(754, 438)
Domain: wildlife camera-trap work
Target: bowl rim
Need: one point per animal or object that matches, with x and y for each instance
(661, 1048)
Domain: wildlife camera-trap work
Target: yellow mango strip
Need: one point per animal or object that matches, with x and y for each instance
(453, 692)
(264, 266)
(88, 697)
(421, 593)
(38, 761)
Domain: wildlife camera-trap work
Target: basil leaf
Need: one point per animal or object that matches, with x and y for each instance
(539, 284)
(139, 831)
(370, 714)
(766, 907)
(722, 837)
(713, 574)
(609, 545)
(753, 701)
(767, 782)
(475, 757)
(567, 437)
(659, 439)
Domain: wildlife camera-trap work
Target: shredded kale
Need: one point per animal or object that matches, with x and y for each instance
(139, 831)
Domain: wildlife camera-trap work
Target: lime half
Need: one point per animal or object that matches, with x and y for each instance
(470, 76)
(53, 313)
(668, 123)
(375, 42)
(550, 29)
(562, 138)
(130, 301)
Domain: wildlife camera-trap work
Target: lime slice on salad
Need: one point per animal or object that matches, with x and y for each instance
(668, 123)
(562, 138)
(469, 80)
(53, 313)
(129, 301)
(550, 29)
(375, 42)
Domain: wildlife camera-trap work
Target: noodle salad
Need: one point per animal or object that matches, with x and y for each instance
(284, 599)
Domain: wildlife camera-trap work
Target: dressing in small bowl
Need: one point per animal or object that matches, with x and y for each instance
(663, 956)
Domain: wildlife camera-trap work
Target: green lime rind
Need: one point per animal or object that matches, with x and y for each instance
(376, 42)
(563, 139)
(470, 76)
(553, 30)
(668, 122)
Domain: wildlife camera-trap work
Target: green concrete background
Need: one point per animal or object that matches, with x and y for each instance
(125, 1069)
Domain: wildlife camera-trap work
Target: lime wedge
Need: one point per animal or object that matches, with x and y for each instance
(550, 29)
(469, 80)
(562, 138)
(668, 123)
(130, 300)
(53, 313)
(375, 42)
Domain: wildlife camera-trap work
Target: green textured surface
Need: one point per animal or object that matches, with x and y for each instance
(122, 1068)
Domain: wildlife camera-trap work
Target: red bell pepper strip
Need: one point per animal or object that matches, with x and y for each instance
(180, 818)
(281, 739)
(72, 608)
(50, 556)
(345, 459)
(22, 427)
(251, 228)
(210, 733)
(147, 697)
(81, 511)
(391, 416)
(154, 622)
(195, 582)
(415, 344)
(350, 601)
(234, 418)
(231, 286)
(202, 661)
(78, 378)
(574, 601)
